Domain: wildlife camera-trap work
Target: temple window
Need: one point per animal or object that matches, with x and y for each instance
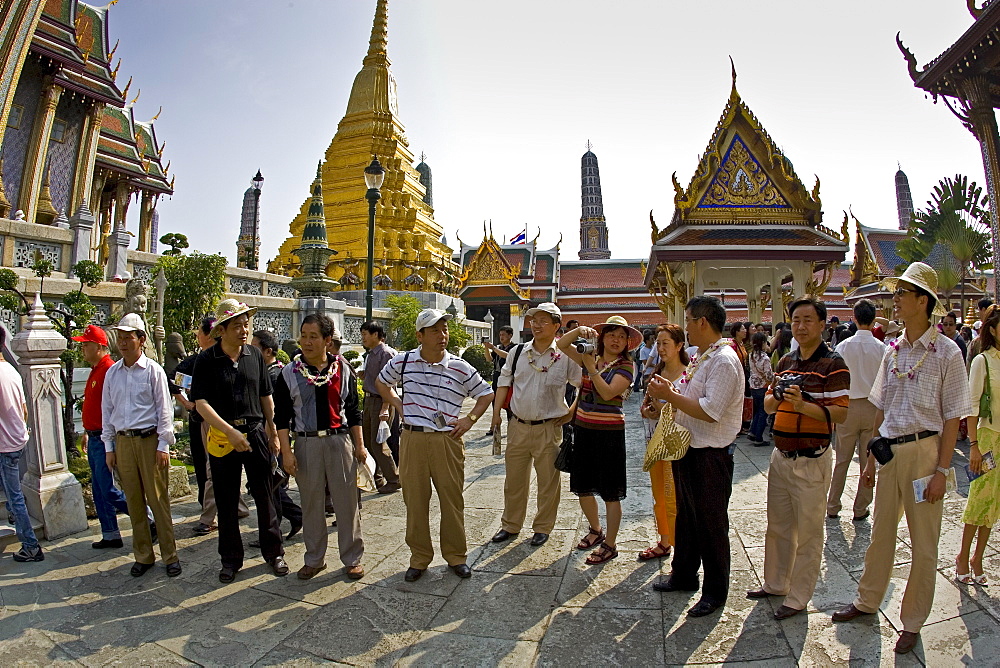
(15, 116)
(59, 130)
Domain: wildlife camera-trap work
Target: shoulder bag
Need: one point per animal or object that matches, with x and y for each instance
(513, 368)
(669, 442)
(986, 398)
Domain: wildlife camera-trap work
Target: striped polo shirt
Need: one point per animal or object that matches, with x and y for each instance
(595, 412)
(430, 387)
(826, 378)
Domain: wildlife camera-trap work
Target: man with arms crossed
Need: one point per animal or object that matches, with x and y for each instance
(920, 393)
(379, 354)
(709, 402)
(434, 383)
(539, 411)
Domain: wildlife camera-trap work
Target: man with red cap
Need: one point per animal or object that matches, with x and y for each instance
(108, 499)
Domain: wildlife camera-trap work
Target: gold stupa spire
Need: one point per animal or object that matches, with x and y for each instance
(406, 232)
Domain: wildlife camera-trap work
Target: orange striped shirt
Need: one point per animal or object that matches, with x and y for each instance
(827, 380)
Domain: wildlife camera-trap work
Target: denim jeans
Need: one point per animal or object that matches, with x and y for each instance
(11, 477)
(759, 421)
(108, 499)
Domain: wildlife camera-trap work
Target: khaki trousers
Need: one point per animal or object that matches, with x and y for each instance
(852, 437)
(793, 545)
(145, 484)
(893, 499)
(436, 458)
(385, 466)
(529, 445)
(329, 461)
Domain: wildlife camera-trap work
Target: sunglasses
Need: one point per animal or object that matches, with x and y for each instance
(899, 292)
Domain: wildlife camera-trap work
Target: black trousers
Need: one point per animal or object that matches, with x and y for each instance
(199, 457)
(227, 473)
(287, 509)
(703, 479)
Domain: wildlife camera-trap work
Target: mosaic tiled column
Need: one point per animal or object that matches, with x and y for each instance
(86, 154)
(38, 149)
(52, 494)
(17, 25)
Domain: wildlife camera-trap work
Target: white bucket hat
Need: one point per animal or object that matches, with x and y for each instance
(923, 276)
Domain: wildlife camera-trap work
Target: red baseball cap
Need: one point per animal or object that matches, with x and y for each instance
(94, 334)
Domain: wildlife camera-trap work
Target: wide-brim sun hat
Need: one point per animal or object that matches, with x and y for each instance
(922, 276)
(226, 311)
(889, 327)
(634, 335)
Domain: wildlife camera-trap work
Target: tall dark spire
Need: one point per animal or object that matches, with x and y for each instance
(593, 227)
(904, 201)
(426, 180)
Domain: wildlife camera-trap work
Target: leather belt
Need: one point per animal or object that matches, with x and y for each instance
(416, 427)
(246, 425)
(532, 422)
(911, 437)
(811, 453)
(322, 432)
(138, 433)
(94, 432)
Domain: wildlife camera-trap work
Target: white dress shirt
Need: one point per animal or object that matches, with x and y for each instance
(863, 354)
(137, 397)
(540, 395)
(938, 392)
(718, 386)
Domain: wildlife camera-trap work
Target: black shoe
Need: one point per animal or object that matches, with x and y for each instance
(502, 535)
(227, 574)
(204, 529)
(461, 570)
(388, 488)
(702, 608)
(670, 585)
(296, 527)
(413, 574)
(862, 518)
(174, 569)
(759, 593)
(538, 539)
(106, 543)
(279, 566)
(24, 555)
(139, 569)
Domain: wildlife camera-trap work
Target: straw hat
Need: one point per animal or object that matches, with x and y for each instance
(634, 335)
(922, 276)
(226, 311)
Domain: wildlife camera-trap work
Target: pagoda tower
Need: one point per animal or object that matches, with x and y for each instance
(904, 201)
(593, 227)
(245, 247)
(406, 234)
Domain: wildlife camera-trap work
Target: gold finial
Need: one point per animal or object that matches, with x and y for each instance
(114, 72)
(378, 43)
(127, 86)
(167, 168)
(733, 66)
(911, 60)
(159, 153)
(136, 98)
(111, 54)
(159, 111)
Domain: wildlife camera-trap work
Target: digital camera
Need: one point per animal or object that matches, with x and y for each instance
(584, 347)
(786, 381)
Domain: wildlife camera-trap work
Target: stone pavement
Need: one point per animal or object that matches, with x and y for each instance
(522, 605)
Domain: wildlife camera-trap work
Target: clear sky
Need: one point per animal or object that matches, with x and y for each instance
(503, 96)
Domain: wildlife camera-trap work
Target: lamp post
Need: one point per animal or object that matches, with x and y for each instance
(374, 175)
(256, 184)
(488, 319)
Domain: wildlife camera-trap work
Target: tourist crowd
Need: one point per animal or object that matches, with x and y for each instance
(897, 397)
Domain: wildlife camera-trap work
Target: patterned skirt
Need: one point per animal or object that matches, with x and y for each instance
(983, 506)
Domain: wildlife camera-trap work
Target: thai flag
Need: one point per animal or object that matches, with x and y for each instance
(521, 238)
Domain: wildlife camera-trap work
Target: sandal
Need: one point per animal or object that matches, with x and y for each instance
(980, 579)
(604, 553)
(655, 552)
(963, 578)
(585, 544)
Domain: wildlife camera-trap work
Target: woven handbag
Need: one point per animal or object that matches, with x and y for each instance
(669, 441)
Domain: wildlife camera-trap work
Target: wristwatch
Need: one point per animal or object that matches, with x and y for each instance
(943, 471)
(472, 417)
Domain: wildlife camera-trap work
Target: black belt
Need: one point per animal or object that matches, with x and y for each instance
(138, 433)
(927, 433)
(531, 422)
(811, 453)
(94, 432)
(322, 432)
(414, 427)
(246, 425)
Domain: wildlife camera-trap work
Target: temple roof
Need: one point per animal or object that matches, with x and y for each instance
(601, 276)
(490, 267)
(129, 146)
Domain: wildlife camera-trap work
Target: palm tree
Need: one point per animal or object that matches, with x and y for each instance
(956, 220)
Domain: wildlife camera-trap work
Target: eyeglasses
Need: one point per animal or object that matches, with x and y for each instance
(687, 319)
(899, 292)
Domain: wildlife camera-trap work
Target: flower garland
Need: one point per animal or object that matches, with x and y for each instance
(319, 379)
(911, 373)
(553, 358)
(698, 359)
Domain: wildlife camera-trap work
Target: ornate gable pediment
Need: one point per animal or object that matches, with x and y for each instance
(489, 267)
(741, 182)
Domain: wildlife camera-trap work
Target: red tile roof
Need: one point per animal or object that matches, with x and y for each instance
(605, 277)
(752, 236)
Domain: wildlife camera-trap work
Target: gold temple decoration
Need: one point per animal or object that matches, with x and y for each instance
(816, 288)
(4, 202)
(489, 266)
(45, 211)
(864, 269)
(740, 181)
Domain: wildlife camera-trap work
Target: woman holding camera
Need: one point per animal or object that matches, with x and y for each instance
(982, 509)
(598, 462)
(670, 342)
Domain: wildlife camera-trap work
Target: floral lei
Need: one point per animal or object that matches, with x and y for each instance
(553, 358)
(319, 379)
(911, 373)
(698, 359)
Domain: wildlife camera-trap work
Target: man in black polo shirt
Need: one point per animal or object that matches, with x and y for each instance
(232, 390)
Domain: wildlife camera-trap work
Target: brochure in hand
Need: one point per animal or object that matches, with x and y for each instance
(183, 381)
(920, 485)
(988, 465)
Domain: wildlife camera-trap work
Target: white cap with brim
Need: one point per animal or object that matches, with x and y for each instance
(545, 307)
(132, 322)
(430, 317)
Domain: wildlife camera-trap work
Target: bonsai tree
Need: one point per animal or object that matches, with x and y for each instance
(177, 242)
